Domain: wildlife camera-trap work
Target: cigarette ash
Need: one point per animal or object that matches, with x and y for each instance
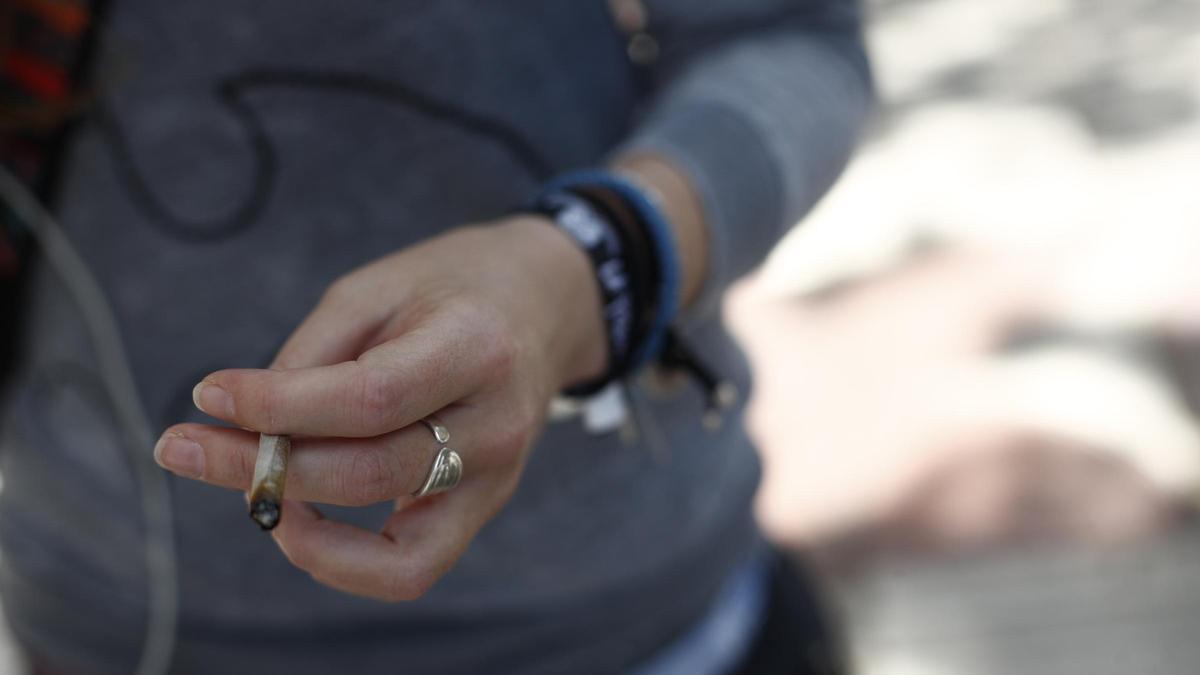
(265, 512)
(270, 471)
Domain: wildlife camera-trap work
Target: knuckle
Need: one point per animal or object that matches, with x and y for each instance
(340, 291)
(509, 438)
(326, 578)
(399, 591)
(492, 338)
(503, 352)
(526, 421)
(500, 345)
(367, 479)
(515, 436)
(404, 586)
(299, 556)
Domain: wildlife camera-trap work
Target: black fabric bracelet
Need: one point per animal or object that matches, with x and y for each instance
(641, 263)
(635, 209)
(582, 209)
(626, 262)
(607, 247)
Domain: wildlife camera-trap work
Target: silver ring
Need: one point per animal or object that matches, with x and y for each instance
(447, 467)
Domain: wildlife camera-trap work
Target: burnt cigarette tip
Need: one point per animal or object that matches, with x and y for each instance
(265, 512)
(270, 470)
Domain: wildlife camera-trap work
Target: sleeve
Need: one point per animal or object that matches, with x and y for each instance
(760, 105)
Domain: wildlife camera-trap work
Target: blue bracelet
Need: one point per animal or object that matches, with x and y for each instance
(663, 241)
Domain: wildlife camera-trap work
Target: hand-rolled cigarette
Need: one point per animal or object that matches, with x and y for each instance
(270, 472)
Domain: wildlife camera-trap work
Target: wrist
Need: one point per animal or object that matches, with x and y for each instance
(566, 311)
(630, 245)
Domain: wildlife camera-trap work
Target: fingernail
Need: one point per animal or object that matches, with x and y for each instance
(180, 454)
(213, 400)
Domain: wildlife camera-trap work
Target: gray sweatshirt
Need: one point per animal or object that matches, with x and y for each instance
(607, 550)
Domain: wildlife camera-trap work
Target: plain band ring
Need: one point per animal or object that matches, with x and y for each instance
(447, 467)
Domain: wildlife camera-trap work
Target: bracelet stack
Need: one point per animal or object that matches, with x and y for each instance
(633, 255)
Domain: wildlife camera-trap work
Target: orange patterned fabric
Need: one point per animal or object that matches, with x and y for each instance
(40, 41)
(68, 17)
(40, 44)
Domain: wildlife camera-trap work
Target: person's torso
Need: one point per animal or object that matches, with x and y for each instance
(249, 155)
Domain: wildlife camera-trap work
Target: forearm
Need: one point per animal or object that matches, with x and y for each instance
(741, 143)
(758, 126)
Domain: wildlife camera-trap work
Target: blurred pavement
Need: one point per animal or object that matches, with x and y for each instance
(1057, 142)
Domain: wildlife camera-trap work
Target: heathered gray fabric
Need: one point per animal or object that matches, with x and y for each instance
(606, 551)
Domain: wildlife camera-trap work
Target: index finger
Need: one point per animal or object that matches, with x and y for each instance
(388, 387)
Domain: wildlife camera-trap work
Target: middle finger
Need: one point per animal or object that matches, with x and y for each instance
(338, 471)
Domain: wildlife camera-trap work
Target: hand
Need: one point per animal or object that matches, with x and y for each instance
(480, 326)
